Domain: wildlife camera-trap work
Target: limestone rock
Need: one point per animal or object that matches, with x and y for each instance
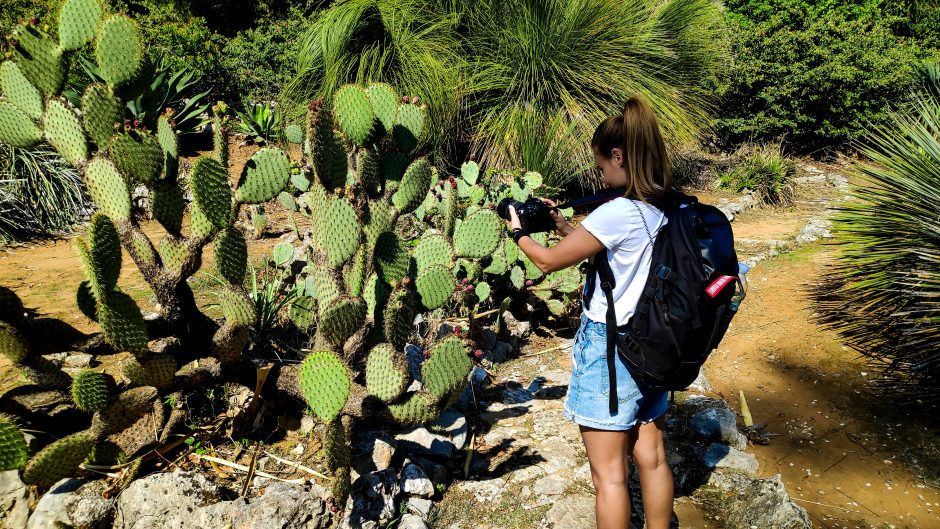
(373, 450)
(420, 441)
(453, 424)
(718, 424)
(14, 500)
(52, 506)
(88, 508)
(411, 521)
(721, 456)
(767, 504)
(572, 512)
(372, 500)
(415, 482)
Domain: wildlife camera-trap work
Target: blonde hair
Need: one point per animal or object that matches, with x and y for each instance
(636, 132)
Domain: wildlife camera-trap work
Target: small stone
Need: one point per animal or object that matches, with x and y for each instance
(420, 506)
(411, 521)
(52, 507)
(78, 360)
(415, 482)
(717, 424)
(373, 450)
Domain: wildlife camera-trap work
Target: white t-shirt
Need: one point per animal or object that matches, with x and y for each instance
(619, 226)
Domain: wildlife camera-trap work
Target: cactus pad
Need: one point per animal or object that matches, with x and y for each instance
(237, 307)
(11, 307)
(64, 131)
(341, 319)
(384, 100)
(449, 207)
(159, 370)
(90, 391)
(59, 460)
(565, 281)
(517, 277)
(78, 23)
(294, 133)
(200, 224)
(211, 191)
(302, 312)
(367, 166)
(433, 250)
(120, 52)
(354, 273)
(229, 342)
(330, 155)
(16, 129)
(85, 300)
(447, 368)
(391, 257)
(40, 59)
(409, 125)
(106, 453)
(353, 112)
(127, 408)
(386, 372)
(327, 287)
(231, 255)
(168, 206)
(435, 286)
(173, 252)
(498, 265)
(399, 317)
(379, 221)
(137, 155)
(100, 111)
(104, 247)
(19, 91)
(392, 168)
(531, 271)
(13, 451)
(167, 138)
(414, 186)
(325, 384)
(264, 176)
(417, 408)
(12, 345)
(478, 235)
(470, 171)
(344, 232)
(108, 189)
(122, 323)
(532, 180)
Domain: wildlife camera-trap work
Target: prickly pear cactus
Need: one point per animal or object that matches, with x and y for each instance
(114, 157)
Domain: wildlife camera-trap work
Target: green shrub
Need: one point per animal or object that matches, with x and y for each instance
(763, 170)
(16, 11)
(263, 59)
(811, 76)
(883, 294)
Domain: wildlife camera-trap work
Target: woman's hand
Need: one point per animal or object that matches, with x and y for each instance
(513, 221)
(561, 225)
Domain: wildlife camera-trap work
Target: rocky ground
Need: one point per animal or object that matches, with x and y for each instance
(506, 458)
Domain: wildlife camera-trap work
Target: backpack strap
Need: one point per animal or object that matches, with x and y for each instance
(607, 285)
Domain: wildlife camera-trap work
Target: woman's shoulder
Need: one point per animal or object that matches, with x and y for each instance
(623, 209)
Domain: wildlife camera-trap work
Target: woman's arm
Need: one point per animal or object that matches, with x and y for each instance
(577, 246)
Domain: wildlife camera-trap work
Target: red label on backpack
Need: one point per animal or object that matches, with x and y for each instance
(715, 288)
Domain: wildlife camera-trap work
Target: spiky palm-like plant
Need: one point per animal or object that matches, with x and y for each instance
(404, 43)
(496, 61)
(587, 57)
(883, 296)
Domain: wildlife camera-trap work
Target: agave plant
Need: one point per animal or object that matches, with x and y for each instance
(258, 124)
(883, 296)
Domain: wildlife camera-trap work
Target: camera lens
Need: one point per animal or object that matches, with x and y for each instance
(502, 209)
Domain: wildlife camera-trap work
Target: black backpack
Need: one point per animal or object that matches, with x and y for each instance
(687, 304)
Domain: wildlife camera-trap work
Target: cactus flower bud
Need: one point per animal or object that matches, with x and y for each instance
(137, 123)
(478, 353)
(415, 99)
(469, 288)
(405, 280)
(457, 330)
(473, 157)
(34, 21)
(14, 43)
(426, 352)
(406, 99)
(427, 218)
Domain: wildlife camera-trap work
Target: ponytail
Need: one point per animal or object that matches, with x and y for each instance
(636, 132)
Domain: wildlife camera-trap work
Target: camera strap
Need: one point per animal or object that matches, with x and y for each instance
(599, 265)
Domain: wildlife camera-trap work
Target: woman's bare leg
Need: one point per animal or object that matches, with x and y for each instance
(607, 454)
(656, 485)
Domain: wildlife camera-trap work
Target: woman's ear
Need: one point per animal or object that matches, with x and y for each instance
(616, 154)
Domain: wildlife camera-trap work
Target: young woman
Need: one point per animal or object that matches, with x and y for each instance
(630, 153)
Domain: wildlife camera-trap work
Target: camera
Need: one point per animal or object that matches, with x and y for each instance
(533, 214)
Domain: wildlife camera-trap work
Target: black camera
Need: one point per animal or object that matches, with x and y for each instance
(533, 214)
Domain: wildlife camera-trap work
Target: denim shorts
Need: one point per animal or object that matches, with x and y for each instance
(588, 399)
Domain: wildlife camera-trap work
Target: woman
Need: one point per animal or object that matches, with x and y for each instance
(629, 152)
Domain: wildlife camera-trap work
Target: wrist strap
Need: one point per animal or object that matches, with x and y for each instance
(517, 234)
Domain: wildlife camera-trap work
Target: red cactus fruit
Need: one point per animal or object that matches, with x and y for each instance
(473, 157)
(478, 353)
(469, 288)
(457, 330)
(406, 99)
(529, 282)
